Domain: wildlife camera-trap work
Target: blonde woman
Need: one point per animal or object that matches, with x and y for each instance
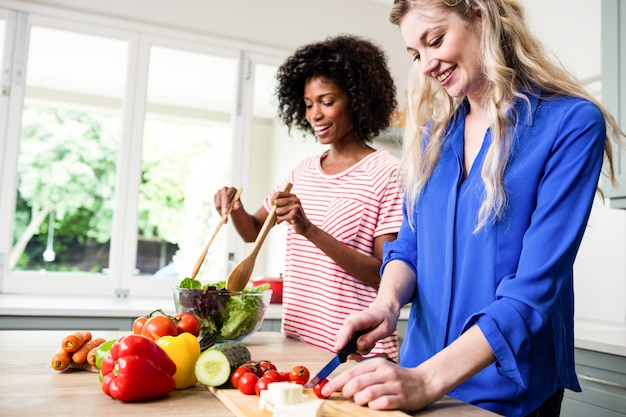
(506, 153)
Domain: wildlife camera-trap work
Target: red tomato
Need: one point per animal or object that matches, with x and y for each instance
(138, 324)
(274, 375)
(187, 323)
(317, 389)
(158, 326)
(299, 374)
(247, 383)
(262, 384)
(252, 365)
(237, 373)
(264, 366)
(284, 376)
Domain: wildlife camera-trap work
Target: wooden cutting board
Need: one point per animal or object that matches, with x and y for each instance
(242, 405)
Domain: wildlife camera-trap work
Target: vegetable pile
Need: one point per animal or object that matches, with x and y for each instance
(223, 315)
(163, 352)
(232, 363)
(78, 351)
(158, 357)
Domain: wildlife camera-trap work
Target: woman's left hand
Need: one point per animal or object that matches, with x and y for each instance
(384, 385)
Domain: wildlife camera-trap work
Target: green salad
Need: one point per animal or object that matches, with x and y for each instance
(223, 315)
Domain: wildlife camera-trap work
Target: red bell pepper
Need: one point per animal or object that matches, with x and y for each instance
(137, 369)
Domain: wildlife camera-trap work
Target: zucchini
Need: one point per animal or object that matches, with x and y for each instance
(215, 364)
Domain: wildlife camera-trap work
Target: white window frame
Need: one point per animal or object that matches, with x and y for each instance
(121, 280)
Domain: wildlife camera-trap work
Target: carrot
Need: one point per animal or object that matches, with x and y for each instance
(80, 356)
(61, 360)
(91, 356)
(75, 341)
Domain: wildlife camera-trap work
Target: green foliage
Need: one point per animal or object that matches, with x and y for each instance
(68, 167)
(68, 164)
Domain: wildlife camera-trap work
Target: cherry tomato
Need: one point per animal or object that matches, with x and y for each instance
(284, 376)
(158, 326)
(262, 384)
(138, 324)
(247, 383)
(274, 375)
(264, 366)
(187, 323)
(237, 373)
(299, 374)
(317, 389)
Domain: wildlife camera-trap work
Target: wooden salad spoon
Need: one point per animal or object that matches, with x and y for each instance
(200, 260)
(240, 275)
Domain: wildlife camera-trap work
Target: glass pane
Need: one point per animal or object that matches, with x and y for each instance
(3, 28)
(265, 170)
(185, 159)
(69, 144)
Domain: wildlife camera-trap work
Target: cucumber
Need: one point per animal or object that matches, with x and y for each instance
(215, 364)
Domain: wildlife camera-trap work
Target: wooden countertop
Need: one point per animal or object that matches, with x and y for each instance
(29, 387)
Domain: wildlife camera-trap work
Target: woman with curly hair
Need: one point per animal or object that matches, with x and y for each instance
(506, 149)
(345, 203)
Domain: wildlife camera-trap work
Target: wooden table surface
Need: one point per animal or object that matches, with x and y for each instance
(29, 387)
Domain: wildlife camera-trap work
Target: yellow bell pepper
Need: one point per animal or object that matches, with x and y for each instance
(184, 350)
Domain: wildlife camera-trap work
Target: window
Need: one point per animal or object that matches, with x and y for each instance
(116, 141)
(186, 156)
(71, 130)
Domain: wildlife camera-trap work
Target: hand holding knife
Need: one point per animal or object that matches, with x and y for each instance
(340, 358)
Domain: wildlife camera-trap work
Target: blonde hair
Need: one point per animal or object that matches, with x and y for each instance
(512, 60)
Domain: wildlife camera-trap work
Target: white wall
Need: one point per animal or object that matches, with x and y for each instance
(569, 28)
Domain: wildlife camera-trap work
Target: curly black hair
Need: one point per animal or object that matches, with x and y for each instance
(356, 65)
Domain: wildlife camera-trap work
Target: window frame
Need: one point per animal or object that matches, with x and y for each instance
(120, 281)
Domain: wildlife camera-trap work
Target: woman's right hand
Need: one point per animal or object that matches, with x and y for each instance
(379, 320)
(222, 198)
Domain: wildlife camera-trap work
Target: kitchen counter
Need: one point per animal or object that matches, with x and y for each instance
(600, 336)
(29, 387)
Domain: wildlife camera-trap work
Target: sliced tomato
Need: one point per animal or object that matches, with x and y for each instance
(317, 389)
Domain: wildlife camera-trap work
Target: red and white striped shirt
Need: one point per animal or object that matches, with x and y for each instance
(353, 206)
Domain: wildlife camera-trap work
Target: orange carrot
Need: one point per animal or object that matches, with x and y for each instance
(75, 341)
(61, 360)
(91, 356)
(80, 356)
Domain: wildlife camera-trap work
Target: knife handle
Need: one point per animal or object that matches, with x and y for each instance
(350, 347)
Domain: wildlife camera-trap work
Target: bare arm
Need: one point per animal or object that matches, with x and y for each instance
(246, 224)
(383, 385)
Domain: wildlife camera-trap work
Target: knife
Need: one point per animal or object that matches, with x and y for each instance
(339, 358)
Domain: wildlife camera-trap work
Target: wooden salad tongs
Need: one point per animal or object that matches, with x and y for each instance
(240, 275)
(200, 260)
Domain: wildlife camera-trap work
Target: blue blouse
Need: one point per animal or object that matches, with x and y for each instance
(514, 278)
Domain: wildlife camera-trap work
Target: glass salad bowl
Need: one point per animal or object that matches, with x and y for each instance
(224, 315)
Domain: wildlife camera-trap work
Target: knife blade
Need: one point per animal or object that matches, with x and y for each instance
(339, 358)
